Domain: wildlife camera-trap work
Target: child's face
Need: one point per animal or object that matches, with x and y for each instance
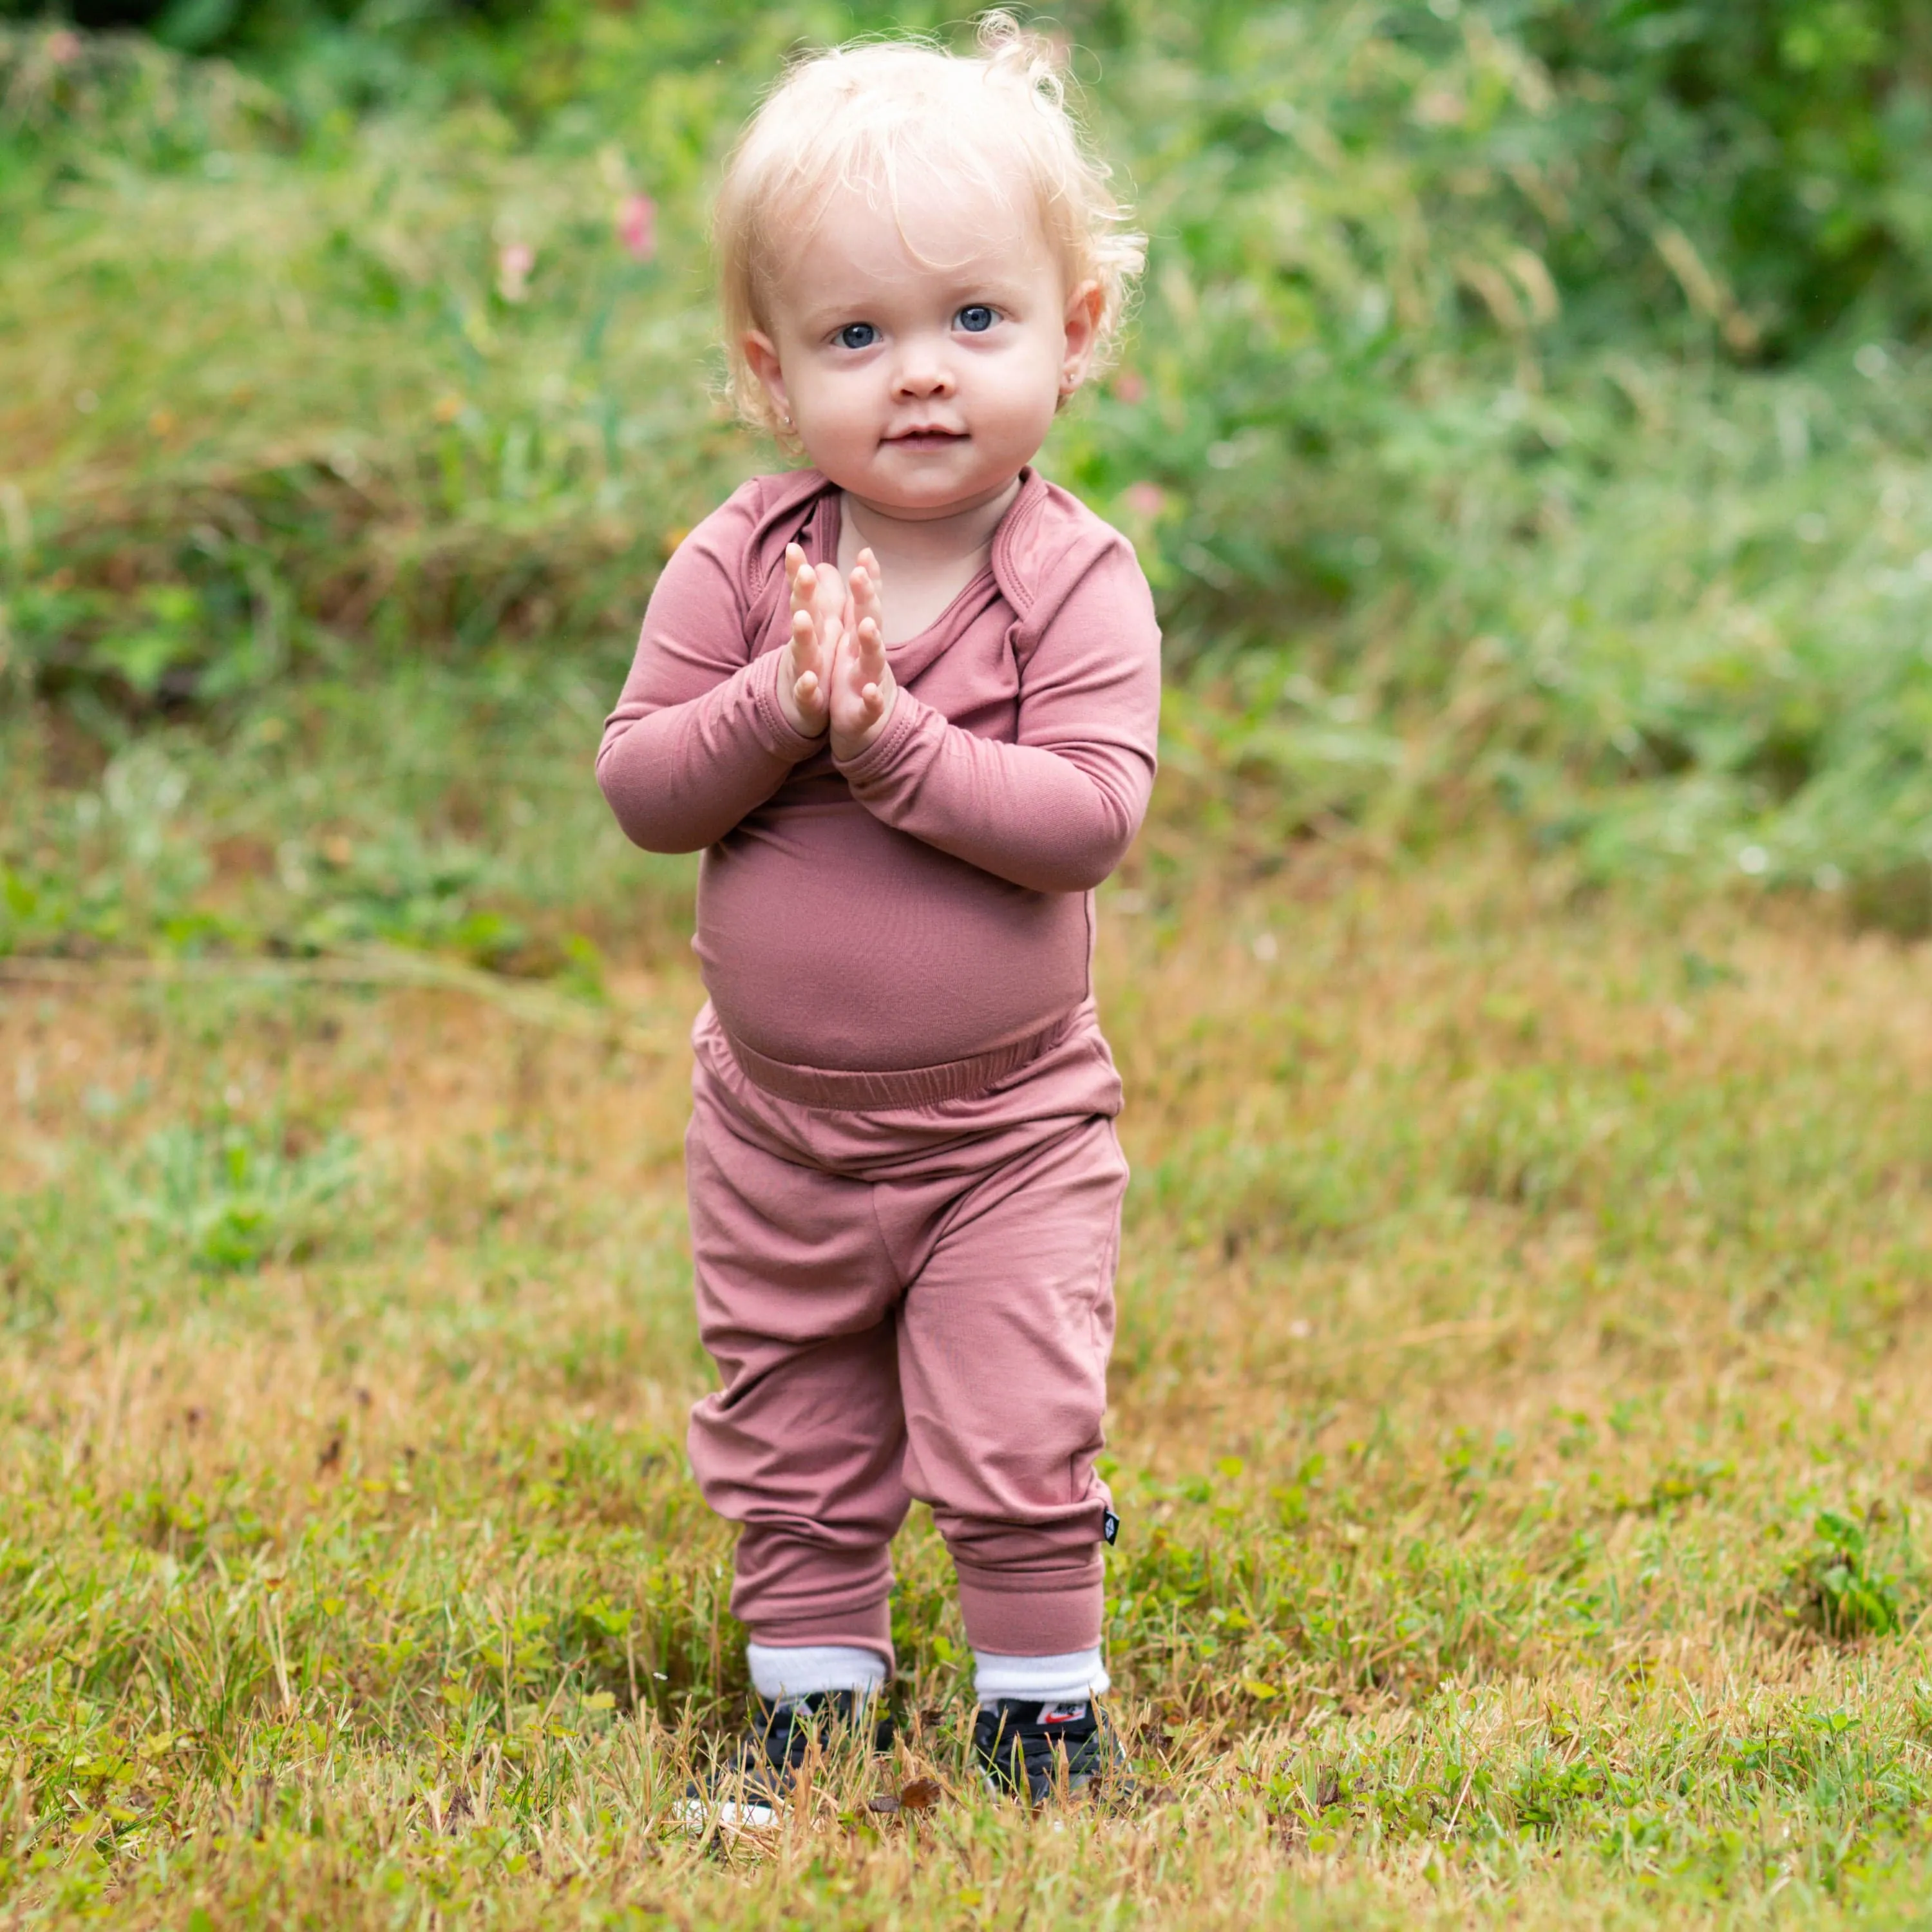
(922, 389)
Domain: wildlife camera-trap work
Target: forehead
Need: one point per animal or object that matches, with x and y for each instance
(921, 233)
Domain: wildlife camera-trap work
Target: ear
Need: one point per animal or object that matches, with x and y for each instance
(1083, 335)
(761, 355)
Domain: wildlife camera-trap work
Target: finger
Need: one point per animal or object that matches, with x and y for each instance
(874, 699)
(804, 640)
(865, 598)
(872, 648)
(867, 584)
(806, 691)
(803, 580)
(794, 563)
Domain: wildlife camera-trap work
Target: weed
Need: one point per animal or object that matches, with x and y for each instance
(229, 1199)
(1836, 1586)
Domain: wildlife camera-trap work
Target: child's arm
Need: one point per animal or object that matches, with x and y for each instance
(700, 736)
(1057, 811)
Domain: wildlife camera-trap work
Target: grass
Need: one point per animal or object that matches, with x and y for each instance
(1459, 495)
(1517, 1414)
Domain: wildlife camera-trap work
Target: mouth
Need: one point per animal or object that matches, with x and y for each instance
(926, 439)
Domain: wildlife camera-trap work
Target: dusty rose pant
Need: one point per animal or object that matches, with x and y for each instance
(907, 1298)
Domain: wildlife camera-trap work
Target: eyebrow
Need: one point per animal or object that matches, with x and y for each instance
(993, 289)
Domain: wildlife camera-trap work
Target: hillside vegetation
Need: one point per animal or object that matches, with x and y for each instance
(1527, 408)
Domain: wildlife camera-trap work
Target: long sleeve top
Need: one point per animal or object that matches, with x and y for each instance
(930, 899)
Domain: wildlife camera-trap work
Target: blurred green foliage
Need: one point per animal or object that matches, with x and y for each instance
(1792, 138)
(1527, 405)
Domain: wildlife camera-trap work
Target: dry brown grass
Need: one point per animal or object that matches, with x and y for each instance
(1511, 1283)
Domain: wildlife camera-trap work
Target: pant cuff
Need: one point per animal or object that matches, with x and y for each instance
(1049, 1617)
(868, 1629)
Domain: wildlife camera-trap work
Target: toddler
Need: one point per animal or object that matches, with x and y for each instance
(905, 700)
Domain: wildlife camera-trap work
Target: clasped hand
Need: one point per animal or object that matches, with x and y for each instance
(836, 676)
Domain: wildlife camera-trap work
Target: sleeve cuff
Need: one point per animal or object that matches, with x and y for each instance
(774, 730)
(883, 753)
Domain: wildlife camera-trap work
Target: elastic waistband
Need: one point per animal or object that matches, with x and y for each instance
(899, 1087)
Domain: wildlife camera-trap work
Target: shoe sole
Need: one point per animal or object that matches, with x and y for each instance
(698, 1814)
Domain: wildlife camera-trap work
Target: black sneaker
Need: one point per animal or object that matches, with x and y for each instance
(749, 1786)
(1024, 1749)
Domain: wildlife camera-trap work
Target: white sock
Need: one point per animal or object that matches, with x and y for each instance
(1068, 1679)
(780, 1671)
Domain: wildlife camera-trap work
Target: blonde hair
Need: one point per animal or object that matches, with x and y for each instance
(852, 117)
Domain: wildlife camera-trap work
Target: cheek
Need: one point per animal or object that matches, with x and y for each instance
(1028, 387)
(841, 404)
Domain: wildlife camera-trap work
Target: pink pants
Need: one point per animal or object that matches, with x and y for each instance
(908, 1296)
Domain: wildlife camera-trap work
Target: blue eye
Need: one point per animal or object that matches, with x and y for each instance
(976, 318)
(857, 335)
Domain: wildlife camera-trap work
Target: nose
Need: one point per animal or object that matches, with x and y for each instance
(923, 369)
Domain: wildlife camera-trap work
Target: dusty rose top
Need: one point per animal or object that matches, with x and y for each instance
(930, 900)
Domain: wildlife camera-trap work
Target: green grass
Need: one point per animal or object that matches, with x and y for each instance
(1518, 1412)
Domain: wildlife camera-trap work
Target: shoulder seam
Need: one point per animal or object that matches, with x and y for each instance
(770, 492)
(1084, 538)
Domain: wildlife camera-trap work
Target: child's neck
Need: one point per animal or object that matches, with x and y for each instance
(925, 561)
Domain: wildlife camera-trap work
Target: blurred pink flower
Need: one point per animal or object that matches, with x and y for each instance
(1130, 386)
(1144, 500)
(515, 261)
(637, 226)
(63, 46)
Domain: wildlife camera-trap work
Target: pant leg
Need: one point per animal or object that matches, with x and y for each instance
(1003, 1345)
(803, 1443)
